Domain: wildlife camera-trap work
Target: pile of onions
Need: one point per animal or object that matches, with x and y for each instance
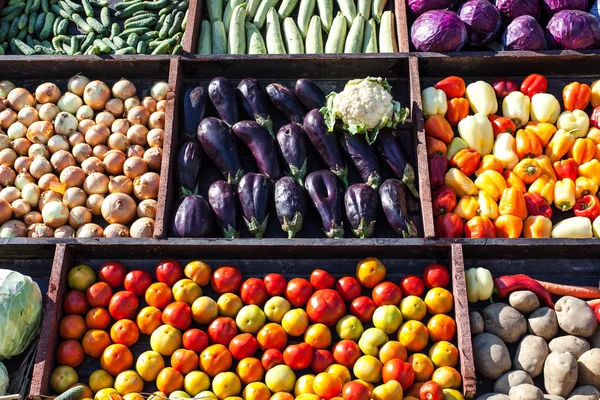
(80, 163)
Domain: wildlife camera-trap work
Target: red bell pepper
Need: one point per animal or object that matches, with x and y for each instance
(595, 118)
(444, 200)
(453, 86)
(503, 87)
(588, 206)
(448, 225)
(565, 169)
(480, 228)
(533, 84)
(576, 96)
(438, 165)
(536, 205)
(502, 125)
(507, 284)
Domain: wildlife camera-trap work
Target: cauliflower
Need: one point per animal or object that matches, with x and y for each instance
(364, 106)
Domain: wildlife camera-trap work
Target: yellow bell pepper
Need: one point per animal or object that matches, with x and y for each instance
(512, 202)
(489, 162)
(544, 108)
(456, 145)
(544, 186)
(460, 183)
(487, 206)
(476, 130)
(573, 228)
(543, 130)
(594, 135)
(583, 150)
(482, 98)
(576, 121)
(505, 150)
(564, 194)
(537, 227)
(585, 186)
(513, 180)
(546, 166)
(590, 169)
(434, 102)
(596, 93)
(559, 145)
(492, 183)
(516, 107)
(467, 207)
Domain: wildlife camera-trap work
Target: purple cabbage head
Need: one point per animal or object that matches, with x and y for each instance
(418, 7)
(511, 9)
(551, 7)
(438, 30)
(595, 10)
(573, 30)
(524, 33)
(482, 20)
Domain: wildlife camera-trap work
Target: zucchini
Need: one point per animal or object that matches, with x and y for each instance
(104, 48)
(252, 7)
(88, 41)
(125, 50)
(219, 38)
(141, 47)
(39, 23)
(229, 11)
(254, 40)
(155, 5)
(164, 31)
(96, 25)
(293, 38)
(377, 10)
(62, 27)
(354, 40)
(364, 7)
(128, 12)
(47, 29)
(305, 12)
(176, 25)
(132, 40)
(22, 48)
(274, 40)
(77, 7)
(31, 22)
(23, 21)
(314, 37)
(325, 13)
(237, 31)
(105, 17)
(81, 24)
(204, 40)
(387, 37)
(286, 8)
(215, 10)
(87, 8)
(4, 27)
(348, 8)
(370, 37)
(261, 13)
(337, 35)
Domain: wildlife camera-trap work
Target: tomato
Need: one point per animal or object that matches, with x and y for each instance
(387, 293)
(94, 342)
(413, 335)
(355, 391)
(129, 383)
(70, 353)
(115, 359)
(327, 386)
(195, 340)
(391, 350)
(113, 273)
(123, 305)
(72, 327)
(99, 294)
(149, 319)
(298, 291)
(271, 336)
(320, 279)
(97, 318)
(149, 364)
(436, 275)
(184, 361)
(124, 332)
(187, 291)
(254, 291)
(346, 352)
(178, 315)
(326, 306)
(275, 284)
(422, 366)
(75, 302)
(222, 330)
(412, 285)
(431, 391)
(137, 282)
(250, 370)
(229, 305)
(318, 336)
(198, 271)
(81, 277)
(165, 340)
(439, 301)
(298, 356)
(62, 378)
(349, 288)
(242, 346)
(100, 379)
(159, 295)
(441, 327)
(271, 358)
(447, 378)
(321, 360)
(169, 380)
(370, 272)
(168, 271)
(363, 308)
(443, 354)
(226, 279)
(399, 371)
(215, 359)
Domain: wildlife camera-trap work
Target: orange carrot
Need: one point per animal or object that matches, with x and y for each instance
(581, 292)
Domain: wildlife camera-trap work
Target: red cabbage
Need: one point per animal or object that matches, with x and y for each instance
(438, 30)
(551, 7)
(573, 30)
(418, 7)
(511, 9)
(482, 20)
(524, 33)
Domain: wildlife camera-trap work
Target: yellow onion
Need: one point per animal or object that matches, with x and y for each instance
(13, 228)
(120, 126)
(97, 134)
(94, 203)
(81, 152)
(79, 216)
(157, 120)
(100, 151)
(19, 98)
(40, 132)
(134, 167)
(147, 208)
(91, 165)
(47, 93)
(22, 163)
(20, 207)
(123, 89)
(155, 138)
(28, 115)
(21, 146)
(31, 193)
(138, 115)
(84, 125)
(77, 84)
(96, 94)
(4, 141)
(5, 88)
(84, 112)
(57, 143)
(7, 118)
(38, 150)
(96, 183)
(137, 134)
(10, 194)
(146, 186)
(39, 167)
(149, 103)
(90, 231)
(161, 106)
(131, 102)
(116, 231)
(105, 118)
(55, 214)
(74, 197)
(40, 231)
(153, 157)
(118, 208)
(47, 197)
(61, 160)
(64, 231)
(65, 124)
(72, 176)
(113, 162)
(120, 184)
(115, 107)
(7, 175)
(32, 217)
(8, 157)
(76, 138)
(48, 112)
(45, 182)
(118, 141)
(142, 228)
(5, 211)
(70, 103)
(23, 179)
(135, 151)
(159, 90)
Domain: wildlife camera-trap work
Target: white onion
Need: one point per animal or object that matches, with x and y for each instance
(105, 118)
(94, 203)
(21, 146)
(64, 231)
(149, 103)
(142, 228)
(159, 90)
(7, 118)
(74, 197)
(134, 167)
(85, 125)
(61, 160)
(138, 115)
(153, 157)
(22, 180)
(97, 134)
(22, 163)
(57, 143)
(76, 138)
(40, 166)
(157, 120)
(55, 214)
(84, 112)
(113, 162)
(115, 107)
(19, 98)
(120, 126)
(65, 124)
(10, 194)
(17, 130)
(40, 231)
(72, 176)
(48, 112)
(47, 181)
(13, 228)
(118, 208)
(147, 208)
(47, 93)
(31, 193)
(120, 184)
(77, 84)
(155, 138)
(33, 217)
(8, 157)
(4, 141)
(7, 175)
(135, 151)
(96, 183)
(90, 231)
(5, 211)
(137, 134)
(20, 207)
(146, 186)
(70, 103)
(5, 88)
(161, 106)
(96, 94)
(100, 151)
(116, 231)
(79, 216)
(28, 115)
(131, 102)
(123, 89)
(40, 132)
(39, 150)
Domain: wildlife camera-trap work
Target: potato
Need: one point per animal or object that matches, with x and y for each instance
(505, 322)
(511, 379)
(526, 392)
(595, 340)
(560, 373)
(573, 344)
(524, 301)
(530, 355)
(552, 397)
(490, 355)
(589, 368)
(542, 322)
(575, 317)
(493, 396)
(584, 393)
(476, 321)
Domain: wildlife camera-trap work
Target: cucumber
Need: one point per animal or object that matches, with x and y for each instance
(215, 10)
(39, 23)
(237, 31)
(22, 34)
(148, 22)
(128, 12)
(29, 41)
(162, 49)
(93, 51)
(337, 35)
(54, 26)
(14, 15)
(28, 5)
(325, 13)
(22, 48)
(314, 37)
(77, 7)
(88, 41)
(36, 42)
(377, 10)
(74, 44)
(44, 50)
(160, 23)
(176, 25)
(354, 40)
(156, 5)
(132, 40)
(81, 24)
(46, 6)
(13, 31)
(66, 7)
(105, 17)
(185, 20)
(104, 48)
(387, 37)
(254, 40)
(182, 6)
(2, 51)
(137, 31)
(177, 49)
(23, 21)
(293, 38)
(120, 43)
(99, 3)
(125, 50)
(31, 22)
(96, 25)
(364, 7)
(148, 35)
(370, 37)
(286, 8)
(4, 27)
(115, 29)
(55, 8)
(62, 27)
(229, 11)
(219, 38)
(139, 16)
(120, 6)
(348, 8)
(87, 8)
(57, 44)
(305, 12)
(164, 31)
(274, 40)
(261, 13)
(251, 9)
(110, 44)
(11, 9)
(141, 47)
(37, 4)
(167, 9)
(204, 40)
(47, 29)
(46, 44)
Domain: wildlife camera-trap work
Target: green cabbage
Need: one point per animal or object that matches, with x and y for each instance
(20, 313)
(3, 380)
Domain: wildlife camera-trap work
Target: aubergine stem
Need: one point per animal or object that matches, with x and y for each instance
(294, 226)
(364, 230)
(298, 174)
(408, 178)
(336, 232)
(183, 192)
(342, 173)
(374, 180)
(412, 231)
(266, 123)
(256, 228)
(236, 178)
(230, 232)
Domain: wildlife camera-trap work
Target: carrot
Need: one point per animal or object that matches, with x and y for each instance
(581, 292)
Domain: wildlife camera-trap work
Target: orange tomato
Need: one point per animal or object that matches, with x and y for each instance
(422, 365)
(72, 327)
(97, 318)
(198, 271)
(439, 301)
(214, 359)
(391, 350)
(159, 295)
(149, 319)
(116, 359)
(256, 391)
(187, 291)
(318, 336)
(184, 361)
(413, 335)
(327, 386)
(441, 327)
(370, 272)
(125, 332)
(94, 342)
(447, 378)
(444, 354)
(169, 380)
(272, 336)
(70, 353)
(250, 370)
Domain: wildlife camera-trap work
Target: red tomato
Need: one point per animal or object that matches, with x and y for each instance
(321, 360)
(254, 291)
(242, 346)
(298, 291)
(99, 294)
(387, 293)
(222, 330)
(137, 282)
(321, 279)
(113, 273)
(431, 391)
(346, 352)
(326, 307)
(436, 275)
(400, 371)
(363, 308)
(123, 305)
(271, 358)
(298, 356)
(355, 391)
(412, 285)
(195, 340)
(178, 315)
(275, 284)
(75, 303)
(169, 272)
(349, 287)
(226, 280)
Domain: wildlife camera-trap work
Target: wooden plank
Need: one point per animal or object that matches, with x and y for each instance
(190, 39)
(402, 26)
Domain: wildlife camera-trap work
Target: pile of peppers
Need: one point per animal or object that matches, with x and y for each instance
(503, 158)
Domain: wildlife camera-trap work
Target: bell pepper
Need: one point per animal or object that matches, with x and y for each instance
(458, 109)
(595, 88)
(505, 150)
(448, 225)
(503, 87)
(590, 169)
(528, 170)
(460, 183)
(583, 150)
(437, 127)
(573, 228)
(587, 206)
(543, 130)
(576, 96)
(434, 102)
(566, 169)
(480, 284)
(544, 186)
(512, 203)
(596, 227)
(516, 106)
(546, 166)
(594, 135)
(595, 118)
(536, 205)
(544, 108)
(467, 160)
(508, 227)
(480, 228)
(438, 165)
(502, 125)
(507, 284)
(597, 155)
(533, 84)
(585, 186)
(482, 98)
(537, 227)
(489, 162)
(576, 121)
(456, 145)
(467, 207)
(476, 130)
(435, 146)
(453, 86)
(528, 144)
(491, 182)
(444, 200)
(487, 206)
(559, 145)
(513, 180)
(564, 194)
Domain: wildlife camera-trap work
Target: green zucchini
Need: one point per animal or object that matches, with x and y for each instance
(219, 38)
(23, 48)
(305, 12)
(164, 31)
(251, 9)
(105, 17)
(387, 37)
(229, 11)
(286, 8)
(215, 10)
(356, 33)
(87, 8)
(47, 29)
(261, 13)
(348, 8)
(377, 10)
(31, 22)
(96, 25)
(176, 25)
(337, 34)
(325, 13)
(237, 31)
(364, 7)
(204, 40)
(254, 40)
(39, 23)
(370, 37)
(314, 36)
(292, 36)
(23, 21)
(4, 27)
(274, 39)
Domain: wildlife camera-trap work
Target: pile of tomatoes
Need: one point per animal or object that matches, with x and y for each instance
(354, 338)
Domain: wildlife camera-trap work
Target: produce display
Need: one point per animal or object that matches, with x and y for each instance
(268, 27)
(357, 122)
(84, 162)
(518, 166)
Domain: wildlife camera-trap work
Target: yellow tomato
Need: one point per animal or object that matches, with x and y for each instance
(439, 301)
(370, 272)
(327, 386)
(226, 384)
(229, 305)
(388, 391)
(99, 380)
(318, 336)
(340, 371)
(444, 354)
(198, 271)
(295, 322)
(256, 391)
(129, 382)
(196, 382)
(451, 394)
(134, 396)
(204, 310)
(413, 335)
(186, 291)
(104, 394)
(165, 340)
(447, 378)
(422, 366)
(304, 384)
(412, 307)
(149, 364)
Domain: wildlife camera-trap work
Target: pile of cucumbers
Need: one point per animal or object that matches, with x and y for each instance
(43, 27)
(297, 27)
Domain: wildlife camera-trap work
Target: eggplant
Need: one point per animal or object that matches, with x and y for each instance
(222, 95)
(261, 145)
(223, 201)
(392, 151)
(188, 166)
(294, 148)
(255, 102)
(254, 192)
(361, 202)
(219, 144)
(286, 102)
(363, 156)
(326, 144)
(309, 94)
(393, 201)
(326, 193)
(290, 204)
(194, 105)
(193, 218)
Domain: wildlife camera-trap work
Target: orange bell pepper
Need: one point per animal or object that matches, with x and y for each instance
(512, 203)
(453, 86)
(565, 169)
(491, 182)
(528, 144)
(559, 145)
(458, 109)
(585, 186)
(576, 96)
(564, 194)
(513, 180)
(590, 169)
(537, 227)
(543, 130)
(528, 170)
(479, 228)
(467, 207)
(489, 162)
(544, 186)
(583, 150)
(502, 125)
(597, 155)
(467, 160)
(437, 127)
(508, 226)
(546, 166)
(435, 146)
(594, 135)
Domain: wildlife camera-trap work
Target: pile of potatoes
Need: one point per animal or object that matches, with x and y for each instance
(560, 346)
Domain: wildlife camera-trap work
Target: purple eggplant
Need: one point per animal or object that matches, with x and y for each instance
(326, 144)
(393, 201)
(363, 157)
(293, 146)
(194, 105)
(223, 200)
(193, 218)
(255, 102)
(261, 145)
(326, 193)
(391, 150)
(219, 144)
(254, 192)
(309, 94)
(222, 95)
(286, 102)
(290, 203)
(188, 166)
(361, 202)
